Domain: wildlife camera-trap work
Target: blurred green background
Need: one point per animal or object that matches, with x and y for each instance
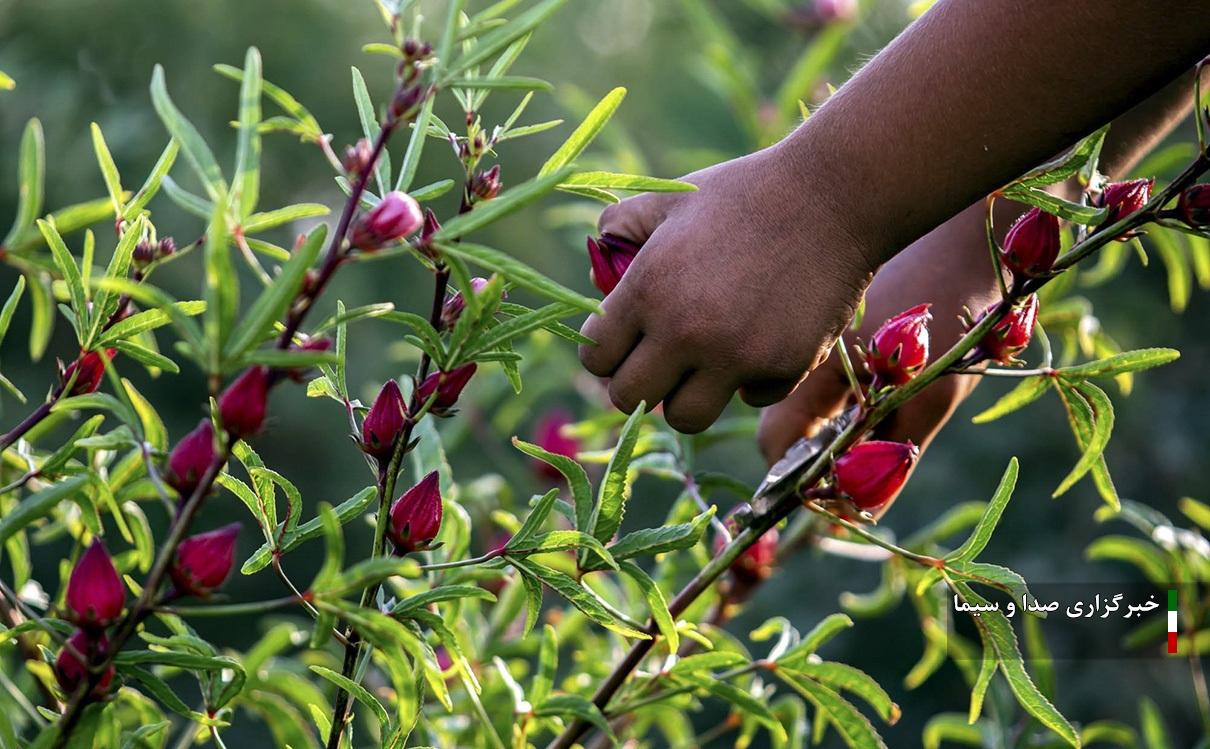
(77, 61)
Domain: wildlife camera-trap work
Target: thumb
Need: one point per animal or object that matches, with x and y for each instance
(637, 218)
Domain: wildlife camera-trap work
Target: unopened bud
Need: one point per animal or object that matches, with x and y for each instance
(1125, 198)
(454, 305)
(384, 422)
(243, 404)
(1011, 335)
(396, 216)
(610, 256)
(95, 595)
(1032, 244)
(191, 458)
(486, 185)
(71, 672)
(872, 473)
(357, 157)
(416, 516)
(204, 561)
(757, 561)
(88, 371)
(1194, 206)
(447, 386)
(550, 437)
(899, 350)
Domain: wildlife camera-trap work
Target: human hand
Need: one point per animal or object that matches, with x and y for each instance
(742, 285)
(948, 268)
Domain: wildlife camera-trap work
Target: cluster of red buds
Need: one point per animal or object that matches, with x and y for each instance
(88, 370)
(485, 185)
(146, 252)
(415, 517)
(549, 435)
(444, 388)
(899, 350)
(396, 216)
(610, 256)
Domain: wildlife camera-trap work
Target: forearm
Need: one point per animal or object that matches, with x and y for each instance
(975, 93)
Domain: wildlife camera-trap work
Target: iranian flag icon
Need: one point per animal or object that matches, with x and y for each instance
(1172, 621)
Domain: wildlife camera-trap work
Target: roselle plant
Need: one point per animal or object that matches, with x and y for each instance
(416, 640)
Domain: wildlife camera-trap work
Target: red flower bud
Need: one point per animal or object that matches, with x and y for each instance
(242, 405)
(456, 303)
(873, 472)
(1011, 335)
(203, 562)
(900, 348)
(610, 257)
(395, 217)
(549, 436)
(384, 422)
(144, 253)
(1032, 243)
(1194, 206)
(416, 516)
(486, 185)
(90, 369)
(447, 385)
(95, 595)
(190, 459)
(1125, 198)
(835, 10)
(757, 561)
(70, 672)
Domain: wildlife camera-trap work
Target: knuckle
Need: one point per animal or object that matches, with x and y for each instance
(622, 397)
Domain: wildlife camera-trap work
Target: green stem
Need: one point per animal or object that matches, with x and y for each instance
(921, 559)
(231, 609)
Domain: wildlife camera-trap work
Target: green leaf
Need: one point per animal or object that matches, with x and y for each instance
(1155, 733)
(151, 359)
(520, 325)
(987, 669)
(152, 185)
(548, 666)
(852, 726)
(10, 306)
(953, 727)
(1000, 634)
(42, 315)
(634, 182)
(982, 533)
(842, 676)
(186, 200)
(516, 271)
(651, 541)
(497, 40)
(577, 707)
(656, 603)
(246, 182)
(274, 301)
(1064, 209)
(577, 479)
(1027, 391)
(1128, 361)
(358, 692)
(1065, 166)
(1146, 557)
(70, 272)
(1102, 427)
(744, 701)
(197, 153)
(309, 128)
(524, 537)
(370, 127)
(31, 173)
(516, 82)
(577, 595)
(109, 170)
(40, 504)
(351, 508)
(828, 627)
(615, 487)
(802, 80)
(421, 601)
(259, 222)
(505, 203)
(141, 322)
(584, 134)
(105, 302)
(1081, 417)
(411, 158)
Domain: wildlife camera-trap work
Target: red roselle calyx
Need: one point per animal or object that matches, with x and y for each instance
(454, 305)
(416, 516)
(95, 595)
(550, 437)
(485, 185)
(899, 350)
(1011, 335)
(757, 561)
(396, 216)
(1032, 244)
(1125, 198)
(446, 385)
(610, 256)
(70, 672)
(88, 370)
(242, 405)
(384, 422)
(204, 561)
(190, 459)
(1194, 206)
(872, 473)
